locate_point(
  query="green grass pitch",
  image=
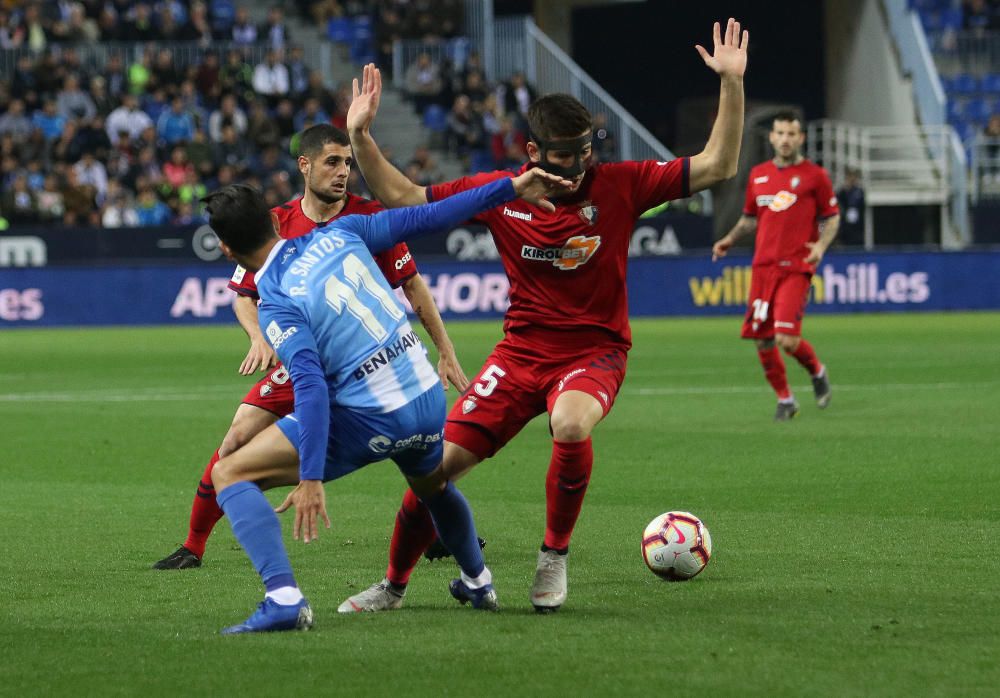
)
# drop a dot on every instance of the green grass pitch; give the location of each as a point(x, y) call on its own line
point(855, 549)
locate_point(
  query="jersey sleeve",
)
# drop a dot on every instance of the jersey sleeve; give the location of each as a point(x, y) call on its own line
point(657, 181)
point(436, 192)
point(396, 264)
point(826, 200)
point(243, 283)
point(286, 328)
point(750, 202)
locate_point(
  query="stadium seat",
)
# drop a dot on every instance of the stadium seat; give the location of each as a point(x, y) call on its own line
point(990, 84)
point(951, 19)
point(964, 84)
point(436, 122)
point(481, 161)
point(956, 110)
point(339, 29)
point(978, 111)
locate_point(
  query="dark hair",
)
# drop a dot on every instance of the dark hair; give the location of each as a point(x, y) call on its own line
point(240, 218)
point(558, 116)
point(787, 115)
point(314, 139)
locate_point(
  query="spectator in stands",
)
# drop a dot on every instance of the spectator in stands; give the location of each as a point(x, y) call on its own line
point(146, 168)
point(129, 118)
point(175, 125)
point(93, 137)
point(231, 149)
point(851, 198)
point(78, 201)
point(207, 78)
point(11, 33)
point(262, 130)
point(23, 82)
point(603, 144)
point(980, 17)
point(192, 102)
point(236, 76)
point(465, 130)
point(228, 114)
point(150, 210)
point(284, 118)
point(298, 73)
point(223, 13)
point(139, 25)
point(423, 82)
point(14, 120)
point(191, 190)
point(992, 135)
point(165, 71)
point(273, 31)
point(155, 103)
point(104, 103)
point(197, 27)
point(244, 31)
point(77, 27)
point(141, 72)
point(270, 78)
point(311, 112)
point(50, 200)
point(49, 120)
point(18, 203)
point(114, 74)
point(35, 36)
point(74, 103)
point(474, 86)
point(67, 148)
point(516, 95)
point(508, 145)
point(119, 210)
point(91, 172)
point(176, 169)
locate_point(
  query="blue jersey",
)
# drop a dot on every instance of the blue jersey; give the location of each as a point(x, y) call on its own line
point(332, 318)
point(327, 281)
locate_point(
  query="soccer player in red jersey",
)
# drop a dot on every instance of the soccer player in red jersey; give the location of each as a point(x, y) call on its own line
point(567, 334)
point(325, 162)
point(791, 204)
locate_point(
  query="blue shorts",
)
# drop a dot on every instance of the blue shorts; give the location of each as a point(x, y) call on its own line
point(411, 436)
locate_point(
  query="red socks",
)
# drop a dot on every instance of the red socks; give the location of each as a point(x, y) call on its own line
point(565, 486)
point(205, 512)
point(413, 533)
point(807, 357)
point(774, 371)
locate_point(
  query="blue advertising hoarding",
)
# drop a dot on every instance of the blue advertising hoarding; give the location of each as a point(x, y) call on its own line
point(658, 286)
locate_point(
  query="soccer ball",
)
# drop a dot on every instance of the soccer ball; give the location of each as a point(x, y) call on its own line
point(676, 545)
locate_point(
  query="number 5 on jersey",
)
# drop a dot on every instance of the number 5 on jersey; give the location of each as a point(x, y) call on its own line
point(488, 380)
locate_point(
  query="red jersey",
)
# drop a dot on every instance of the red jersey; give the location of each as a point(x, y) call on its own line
point(567, 268)
point(396, 263)
point(788, 202)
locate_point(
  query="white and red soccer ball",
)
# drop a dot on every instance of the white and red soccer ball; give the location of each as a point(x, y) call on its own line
point(676, 545)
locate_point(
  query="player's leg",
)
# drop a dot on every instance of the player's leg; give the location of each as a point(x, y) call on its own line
point(758, 325)
point(789, 308)
point(268, 460)
point(582, 397)
point(269, 399)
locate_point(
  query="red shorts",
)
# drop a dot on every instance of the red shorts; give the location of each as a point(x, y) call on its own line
point(517, 383)
point(273, 393)
point(778, 301)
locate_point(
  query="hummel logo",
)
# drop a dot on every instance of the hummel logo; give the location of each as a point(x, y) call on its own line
point(516, 214)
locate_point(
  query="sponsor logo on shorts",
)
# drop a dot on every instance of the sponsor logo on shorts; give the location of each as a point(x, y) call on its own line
point(784, 324)
point(575, 253)
point(380, 444)
point(276, 336)
point(468, 405)
point(568, 376)
point(383, 445)
point(266, 390)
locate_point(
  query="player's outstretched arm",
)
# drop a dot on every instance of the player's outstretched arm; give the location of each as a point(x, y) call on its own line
point(388, 185)
point(260, 355)
point(422, 302)
point(746, 225)
point(721, 155)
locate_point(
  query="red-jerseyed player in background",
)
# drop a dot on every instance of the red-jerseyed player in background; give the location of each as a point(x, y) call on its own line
point(791, 204)
point(566, 333)
point(325, 159)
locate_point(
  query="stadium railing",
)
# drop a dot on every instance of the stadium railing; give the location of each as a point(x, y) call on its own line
point(518, 46)
point(985, 169)
point(916, 61)
point(900, 166)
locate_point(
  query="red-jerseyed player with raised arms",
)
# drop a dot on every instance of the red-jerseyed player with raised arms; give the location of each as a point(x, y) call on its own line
point(566, 333)
point(791, 204)
point(325, 159)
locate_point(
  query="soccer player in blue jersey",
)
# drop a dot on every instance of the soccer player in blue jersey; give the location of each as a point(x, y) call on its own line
point(356, 363)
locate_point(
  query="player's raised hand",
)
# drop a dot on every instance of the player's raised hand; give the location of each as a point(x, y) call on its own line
point(309, 500)
point(535, 185)
point(729, 55)
point(365, 103)
point(721, 248)
point(260, 357)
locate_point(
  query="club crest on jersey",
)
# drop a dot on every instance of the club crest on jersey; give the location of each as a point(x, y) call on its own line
point(588, 212)
point(795, 182)
point(468, 405)
point(782, 201)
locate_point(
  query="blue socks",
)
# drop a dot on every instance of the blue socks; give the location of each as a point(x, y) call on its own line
point(453, 520)
point(258, 530)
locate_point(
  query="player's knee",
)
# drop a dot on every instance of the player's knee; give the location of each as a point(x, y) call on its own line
point(222, 474)
point(788, 343)
point(765, 344)
point(569, 427)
